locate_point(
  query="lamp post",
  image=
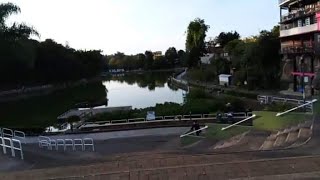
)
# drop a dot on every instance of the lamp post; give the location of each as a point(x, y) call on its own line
point(302, 69)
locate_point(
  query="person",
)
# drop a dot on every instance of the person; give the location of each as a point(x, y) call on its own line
point(195, 127)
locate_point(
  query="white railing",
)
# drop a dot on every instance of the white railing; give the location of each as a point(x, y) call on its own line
point(228, 127)
point(188, 134)
point(189, 117)
point(20, 135)
point(293, 109)
point(7, 132)
point(8, 143)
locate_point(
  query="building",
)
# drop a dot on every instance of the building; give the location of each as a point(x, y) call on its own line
point(214, 51)
point(157, 54)
point(300, 42)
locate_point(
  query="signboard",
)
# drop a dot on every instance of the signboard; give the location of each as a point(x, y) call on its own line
point(151, 116)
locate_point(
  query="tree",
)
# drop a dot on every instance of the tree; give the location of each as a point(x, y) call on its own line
point(17, 57)
point(182, 56)
point(149, 60)
point(224, 37)
point(195, 43)
point(171, 55)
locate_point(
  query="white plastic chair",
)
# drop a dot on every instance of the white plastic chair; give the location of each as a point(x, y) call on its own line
point(68, 142)
point(44, 142)
point(60, 142)
point(1, 135)
point(88, 142)
point(78, 142)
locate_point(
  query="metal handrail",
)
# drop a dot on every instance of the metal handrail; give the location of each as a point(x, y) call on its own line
point(184, 135)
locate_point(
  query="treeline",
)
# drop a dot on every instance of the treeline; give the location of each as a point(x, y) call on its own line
point(147, 61)
point(254, 62)
point(24, 61)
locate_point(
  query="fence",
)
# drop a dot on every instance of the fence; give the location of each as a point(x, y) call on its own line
point(164, 119)
point(11, 144)
point(271, 99)
point(9, 133)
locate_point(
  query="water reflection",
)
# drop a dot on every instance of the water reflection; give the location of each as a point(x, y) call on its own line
point(141, 90)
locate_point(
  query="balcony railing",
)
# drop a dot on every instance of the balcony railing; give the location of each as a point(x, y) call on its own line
point(307, 48)
point(300, 13)
point(290, 30)
point(282, 2)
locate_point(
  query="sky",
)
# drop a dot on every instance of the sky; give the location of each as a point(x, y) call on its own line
point(134, 26)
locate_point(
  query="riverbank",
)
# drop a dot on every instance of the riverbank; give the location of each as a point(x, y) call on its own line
point(27, 92)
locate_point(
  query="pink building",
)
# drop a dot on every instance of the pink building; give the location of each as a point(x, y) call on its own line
point(300, 42)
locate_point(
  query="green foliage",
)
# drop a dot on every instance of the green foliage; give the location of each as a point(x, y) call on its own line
point(25, 61)
point(278, 107)
point(171, 55)
point(224, 38)
point(207, 73)
point(257, 60)
point(195, 43)
point(221, 66)
point(214, 131)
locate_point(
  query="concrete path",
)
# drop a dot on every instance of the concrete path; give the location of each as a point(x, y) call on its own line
point(119, 134)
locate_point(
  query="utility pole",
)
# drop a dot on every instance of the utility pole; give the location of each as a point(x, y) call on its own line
point(302, 69)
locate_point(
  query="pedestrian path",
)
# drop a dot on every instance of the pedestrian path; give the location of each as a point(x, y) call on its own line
point(117, 134)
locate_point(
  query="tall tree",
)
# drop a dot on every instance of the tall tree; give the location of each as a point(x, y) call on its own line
point(171, 55)
point(149, 60)
point(195, 43)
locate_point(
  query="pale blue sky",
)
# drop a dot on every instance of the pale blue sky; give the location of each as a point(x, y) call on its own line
point(133, 26)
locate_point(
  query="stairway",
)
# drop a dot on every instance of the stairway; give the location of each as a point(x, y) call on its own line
point(181, 167)
point(289, 137)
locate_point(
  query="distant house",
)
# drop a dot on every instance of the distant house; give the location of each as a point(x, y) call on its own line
point(206, 58)
point(157, 54)
point(215, 51)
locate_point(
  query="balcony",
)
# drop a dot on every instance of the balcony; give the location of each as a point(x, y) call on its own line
point(296, 49)
point(301, 13)
point(298, 30)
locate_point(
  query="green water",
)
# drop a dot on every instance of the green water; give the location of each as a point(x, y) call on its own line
point(137, 90)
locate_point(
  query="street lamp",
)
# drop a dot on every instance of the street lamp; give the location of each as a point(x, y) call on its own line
point(302, 69)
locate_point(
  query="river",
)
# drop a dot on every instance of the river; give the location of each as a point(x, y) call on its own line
point(136, 90)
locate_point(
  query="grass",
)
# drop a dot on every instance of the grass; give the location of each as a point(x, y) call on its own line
point(268, 121)
point(214, 132)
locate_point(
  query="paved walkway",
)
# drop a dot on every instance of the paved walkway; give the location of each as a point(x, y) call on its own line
point(174, 170)
point(119, 134)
